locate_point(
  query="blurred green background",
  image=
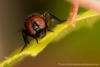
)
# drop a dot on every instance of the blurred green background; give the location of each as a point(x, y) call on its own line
point(79, 47)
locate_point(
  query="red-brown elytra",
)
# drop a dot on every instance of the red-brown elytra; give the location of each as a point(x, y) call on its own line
point(36, 25)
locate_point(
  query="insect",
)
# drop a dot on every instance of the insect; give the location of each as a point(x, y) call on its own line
point(36, 25)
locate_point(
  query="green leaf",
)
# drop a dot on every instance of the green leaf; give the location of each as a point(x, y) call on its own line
point(33, 49)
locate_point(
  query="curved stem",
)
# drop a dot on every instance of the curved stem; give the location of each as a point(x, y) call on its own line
point(89, 4)
point(73, 12)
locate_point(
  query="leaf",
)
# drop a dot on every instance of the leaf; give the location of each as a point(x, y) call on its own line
point(33, 49)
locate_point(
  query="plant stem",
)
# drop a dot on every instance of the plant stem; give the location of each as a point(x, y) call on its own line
point(73, 12)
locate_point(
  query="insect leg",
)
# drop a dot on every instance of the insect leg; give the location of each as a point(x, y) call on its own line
point(24, 34)
point(56, 18)
point(47, 28)
point(36, 40)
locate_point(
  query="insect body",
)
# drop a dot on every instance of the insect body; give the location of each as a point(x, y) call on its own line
point(36, 26)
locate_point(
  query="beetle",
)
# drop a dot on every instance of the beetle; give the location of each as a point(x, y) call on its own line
point(36, 25)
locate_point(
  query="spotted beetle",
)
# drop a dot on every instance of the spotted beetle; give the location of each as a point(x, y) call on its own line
point(36, 25)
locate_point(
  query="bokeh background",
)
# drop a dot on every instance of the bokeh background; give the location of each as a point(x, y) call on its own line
point(79, 47)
